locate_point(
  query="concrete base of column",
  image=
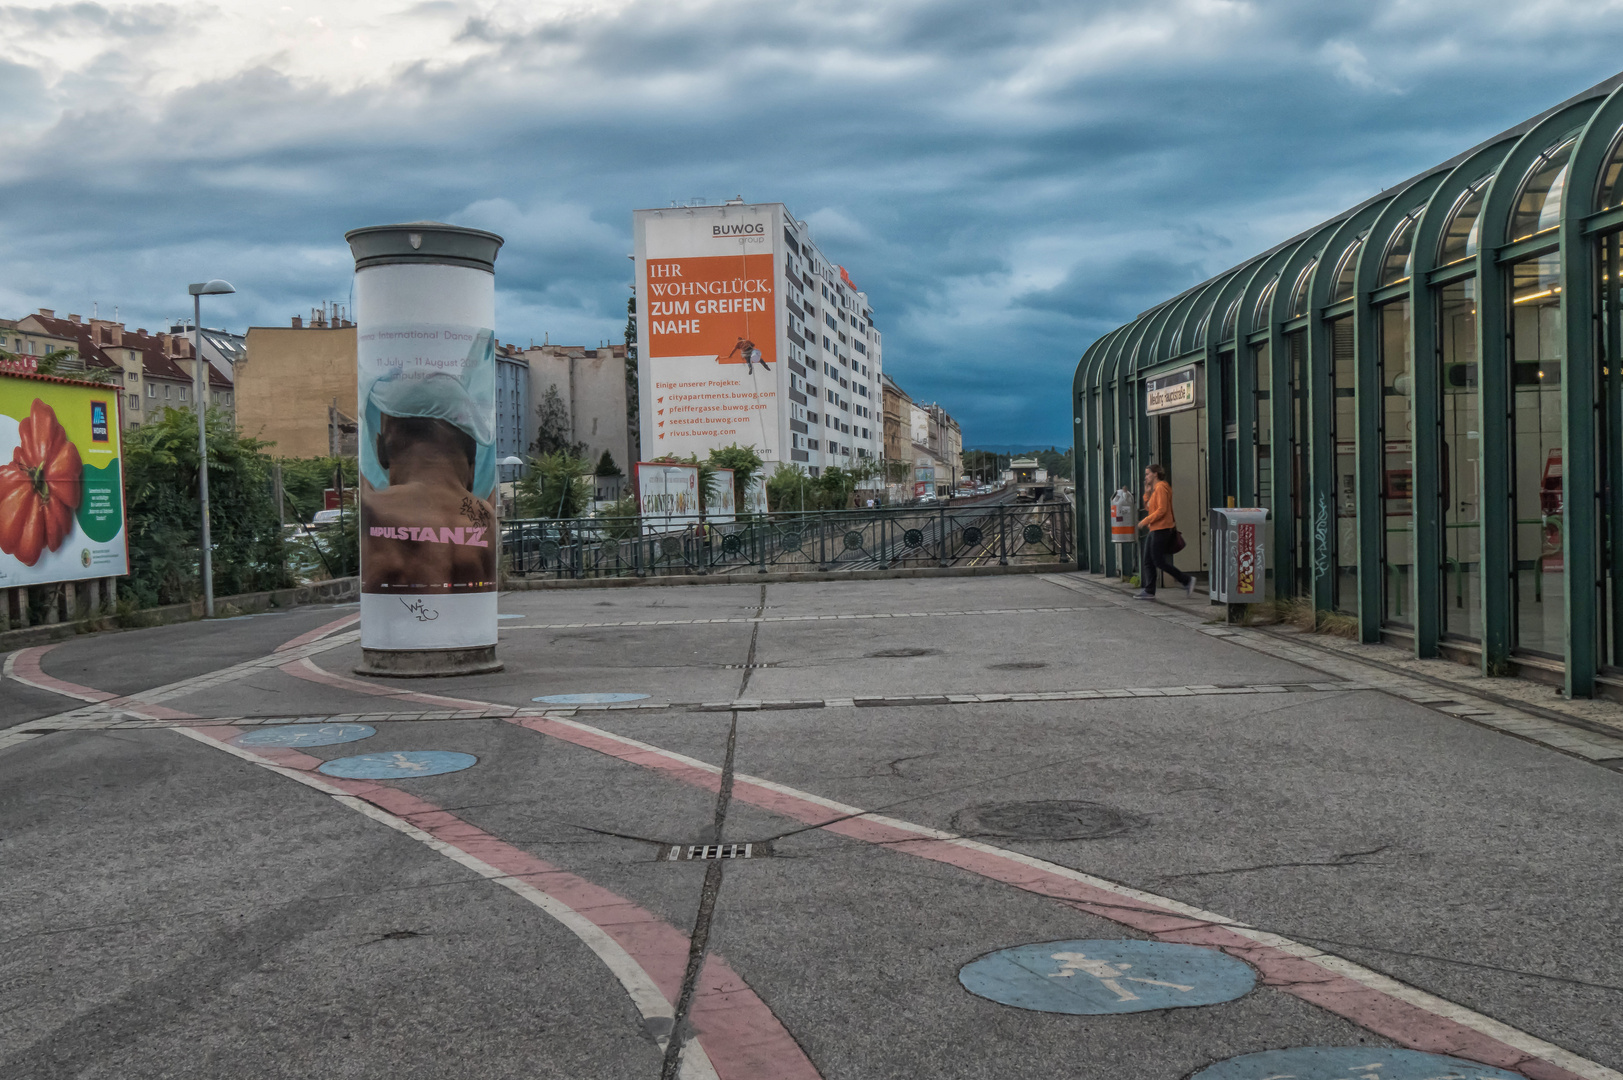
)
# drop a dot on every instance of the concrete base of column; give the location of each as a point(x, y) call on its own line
point(428, 663)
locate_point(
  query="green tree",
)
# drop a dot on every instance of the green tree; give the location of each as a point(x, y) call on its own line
point(552, 427)
point(745, 463)
point(162, 512)
point(606, 466)
point(835, 486)
point(633, 399)
point(789, 488)
point(558, 485)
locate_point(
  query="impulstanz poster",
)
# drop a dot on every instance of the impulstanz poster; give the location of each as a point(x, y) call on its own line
point(707, 306)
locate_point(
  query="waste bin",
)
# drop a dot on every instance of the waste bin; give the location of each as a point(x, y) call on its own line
point(1238, 554)
point(1123, 528)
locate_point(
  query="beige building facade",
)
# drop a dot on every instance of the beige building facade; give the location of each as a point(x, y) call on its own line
point(591, 383)
point(296, 387)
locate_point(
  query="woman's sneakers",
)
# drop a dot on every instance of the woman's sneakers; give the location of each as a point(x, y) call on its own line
point(1142, 595)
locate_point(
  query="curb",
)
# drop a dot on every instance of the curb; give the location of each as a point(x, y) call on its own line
point(336, 591)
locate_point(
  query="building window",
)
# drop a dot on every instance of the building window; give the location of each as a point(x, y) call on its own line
point(135, 402)
point(166, 390)
point(228, 397)
point(152, 389)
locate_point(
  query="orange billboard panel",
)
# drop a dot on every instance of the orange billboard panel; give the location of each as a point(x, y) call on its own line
point(713, 306)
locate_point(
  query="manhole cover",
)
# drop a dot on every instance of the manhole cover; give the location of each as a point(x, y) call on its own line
point(972, 535)
point(853, 540)
point(671, 546)
point(1033, 533)
point(888, 653)
point(791, 541)
point(306, 735)
point(913, 537)
point(1044, 819)
point(730, 544)
point(400, 765)
point(1094, 977)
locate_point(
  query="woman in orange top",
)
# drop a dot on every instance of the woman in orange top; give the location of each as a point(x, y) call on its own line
point(1162, 529)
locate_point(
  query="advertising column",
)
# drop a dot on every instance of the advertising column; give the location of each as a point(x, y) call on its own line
point(425, 304)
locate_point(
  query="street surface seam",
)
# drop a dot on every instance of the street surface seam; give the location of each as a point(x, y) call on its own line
point(1565, 738)
point(1406, 1014)
point(497, 712)
point(794, 618)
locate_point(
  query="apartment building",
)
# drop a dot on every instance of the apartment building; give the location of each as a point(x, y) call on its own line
point(750, 334)
point(156, 369)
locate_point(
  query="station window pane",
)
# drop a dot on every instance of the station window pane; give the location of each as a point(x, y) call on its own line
point(1344, 420)
point(1610, 192)
point(1265, 300)
point(1537, 358)
point(1397, 466)
point(1538, 203)
point(1398, 262)
point(1345, 271)
point(1460, 449)
point(1299, 291)
point(1229, 318)
point(1464, 228)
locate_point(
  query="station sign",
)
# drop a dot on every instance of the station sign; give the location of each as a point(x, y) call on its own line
point(1172, 392)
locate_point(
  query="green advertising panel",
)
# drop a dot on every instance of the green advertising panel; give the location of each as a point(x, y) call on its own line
point(61, 484)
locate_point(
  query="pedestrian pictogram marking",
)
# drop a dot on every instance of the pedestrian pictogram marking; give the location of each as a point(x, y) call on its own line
point(1349, 1063)
point(398, 765)
point(1108, 976)
point(307, 735)
point(587, 699)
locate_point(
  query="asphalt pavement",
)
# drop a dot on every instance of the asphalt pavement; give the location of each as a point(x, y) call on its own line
point(1002, 827)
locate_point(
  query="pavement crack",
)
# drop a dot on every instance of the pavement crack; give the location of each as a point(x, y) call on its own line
point(699, 943)
point(1346, 858)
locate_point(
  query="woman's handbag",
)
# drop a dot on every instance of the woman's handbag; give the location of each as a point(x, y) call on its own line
point(1178, 542)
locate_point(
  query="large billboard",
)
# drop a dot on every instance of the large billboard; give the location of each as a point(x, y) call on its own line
point(707, 305)
point(61, 484)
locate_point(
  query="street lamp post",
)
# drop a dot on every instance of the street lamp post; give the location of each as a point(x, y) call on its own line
point(200, 381)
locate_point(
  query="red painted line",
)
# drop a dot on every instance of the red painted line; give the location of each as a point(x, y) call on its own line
point(742, 1037)
point(308, 671)
point(319, 632)
point(1403, 1023)
point(26, 670)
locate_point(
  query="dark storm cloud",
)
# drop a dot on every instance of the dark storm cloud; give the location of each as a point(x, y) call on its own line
point(1006, 181)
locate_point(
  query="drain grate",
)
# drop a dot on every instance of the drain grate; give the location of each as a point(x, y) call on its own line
point(709, 852)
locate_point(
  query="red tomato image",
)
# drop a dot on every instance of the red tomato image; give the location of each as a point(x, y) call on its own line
point(40, 490)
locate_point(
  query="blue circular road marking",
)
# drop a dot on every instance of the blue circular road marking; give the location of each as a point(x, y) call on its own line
point(1349, 1063)
point(587, 699)
point(1086, 978)
point(398, 765)
point(307, 735)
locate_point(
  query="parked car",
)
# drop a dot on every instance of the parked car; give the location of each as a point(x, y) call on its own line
point(328, 518)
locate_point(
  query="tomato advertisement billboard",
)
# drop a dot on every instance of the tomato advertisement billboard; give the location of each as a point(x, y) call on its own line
point(61, 483)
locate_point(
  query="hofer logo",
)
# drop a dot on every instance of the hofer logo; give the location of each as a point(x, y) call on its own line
point(744, 229)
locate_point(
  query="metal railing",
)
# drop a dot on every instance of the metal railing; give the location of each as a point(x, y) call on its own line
point(942, 534)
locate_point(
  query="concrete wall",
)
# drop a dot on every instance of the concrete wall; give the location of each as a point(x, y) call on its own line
point(288, 380)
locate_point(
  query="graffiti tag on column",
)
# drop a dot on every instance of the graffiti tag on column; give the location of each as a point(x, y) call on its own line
point(1321, 538)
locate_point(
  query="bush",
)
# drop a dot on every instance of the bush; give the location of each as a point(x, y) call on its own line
point(162, 515)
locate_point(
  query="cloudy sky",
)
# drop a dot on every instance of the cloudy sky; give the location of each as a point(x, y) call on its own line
point(1006, 180)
